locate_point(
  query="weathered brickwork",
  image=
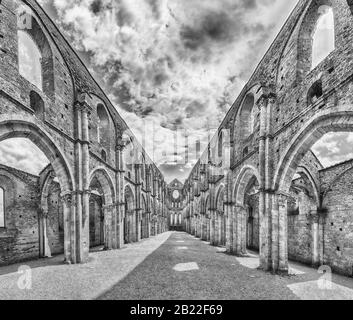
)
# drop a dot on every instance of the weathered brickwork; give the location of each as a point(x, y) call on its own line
point(89, 145)
point(338, 223)
point(266, 137)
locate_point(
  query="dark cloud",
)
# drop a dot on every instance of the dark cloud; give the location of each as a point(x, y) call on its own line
point(214, 27)
point(194, 109)
point(96, 6)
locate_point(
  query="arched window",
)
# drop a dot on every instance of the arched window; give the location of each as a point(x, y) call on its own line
point(29, 59)
point(247, 117)
point(37, 104)
point(323, 36)
point(315, 92)
point(2, 208)
point(104, 156)
point(220, 145)
point(103, 125)
point(35, 56)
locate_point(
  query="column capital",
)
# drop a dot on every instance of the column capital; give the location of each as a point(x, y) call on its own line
point(267, 96)
point(282, 198)
point(43, 213)
point(120, 145)
point(109, 206)
point(81, 103)
point(68, 198)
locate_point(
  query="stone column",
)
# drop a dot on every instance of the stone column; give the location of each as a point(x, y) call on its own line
point(266, 103)
point(229, 227)
point(69, 207)
point(228, 204)
point(86, 109)
point(220, 217)
point(314, 219)
point(213, 213)
point(138, 199)
point(44, 249)
point(120, 196)
point(279, 234)
point(148, 205)
point(240, 225)
point(108, 211)
point(208, 221)
point(81, 112)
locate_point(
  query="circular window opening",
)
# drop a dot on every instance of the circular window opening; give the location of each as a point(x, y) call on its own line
point(176, 194)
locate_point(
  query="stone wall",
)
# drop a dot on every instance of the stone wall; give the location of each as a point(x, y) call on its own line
point(338, 229)
point(55, 221)
point(19, 240)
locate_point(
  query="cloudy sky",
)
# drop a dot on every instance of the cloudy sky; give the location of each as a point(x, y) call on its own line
point(172, 68)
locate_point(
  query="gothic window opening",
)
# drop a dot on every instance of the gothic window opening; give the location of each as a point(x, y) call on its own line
point(35, 57)
point(247, 117)
point(103, 125)
point(30, 59)
point(37, 104)
point(323, 36)
point(104, 156)
point(315, 92)
point(220, 146)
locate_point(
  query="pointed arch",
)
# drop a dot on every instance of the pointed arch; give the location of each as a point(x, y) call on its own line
point(314, 41)
point(246, 175)
point(101, 180)
point(14, 127)
point(339, 119)
point(37, 64)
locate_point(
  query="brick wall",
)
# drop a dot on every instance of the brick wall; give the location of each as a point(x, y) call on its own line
point(19, 240)
point(338, 229)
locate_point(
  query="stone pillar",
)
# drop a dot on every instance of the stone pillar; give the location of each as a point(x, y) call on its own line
point(108, 213)
point(44, 248)
point(240, 225)
point(81, 112)
point(213, 213)
point(266, 103)
point(220, 229)
point(229, 226)
point(120, 196)
point(265, 207)
point(138, 200)
point(315, 243)
point(70, 247)
point(86, 109)
point(279, 234)
point(208, 227)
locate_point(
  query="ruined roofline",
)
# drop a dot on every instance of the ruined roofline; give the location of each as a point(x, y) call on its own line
point(3, 166)
point(336, 165)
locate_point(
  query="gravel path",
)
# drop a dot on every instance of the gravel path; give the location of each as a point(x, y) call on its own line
point(188, 269)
